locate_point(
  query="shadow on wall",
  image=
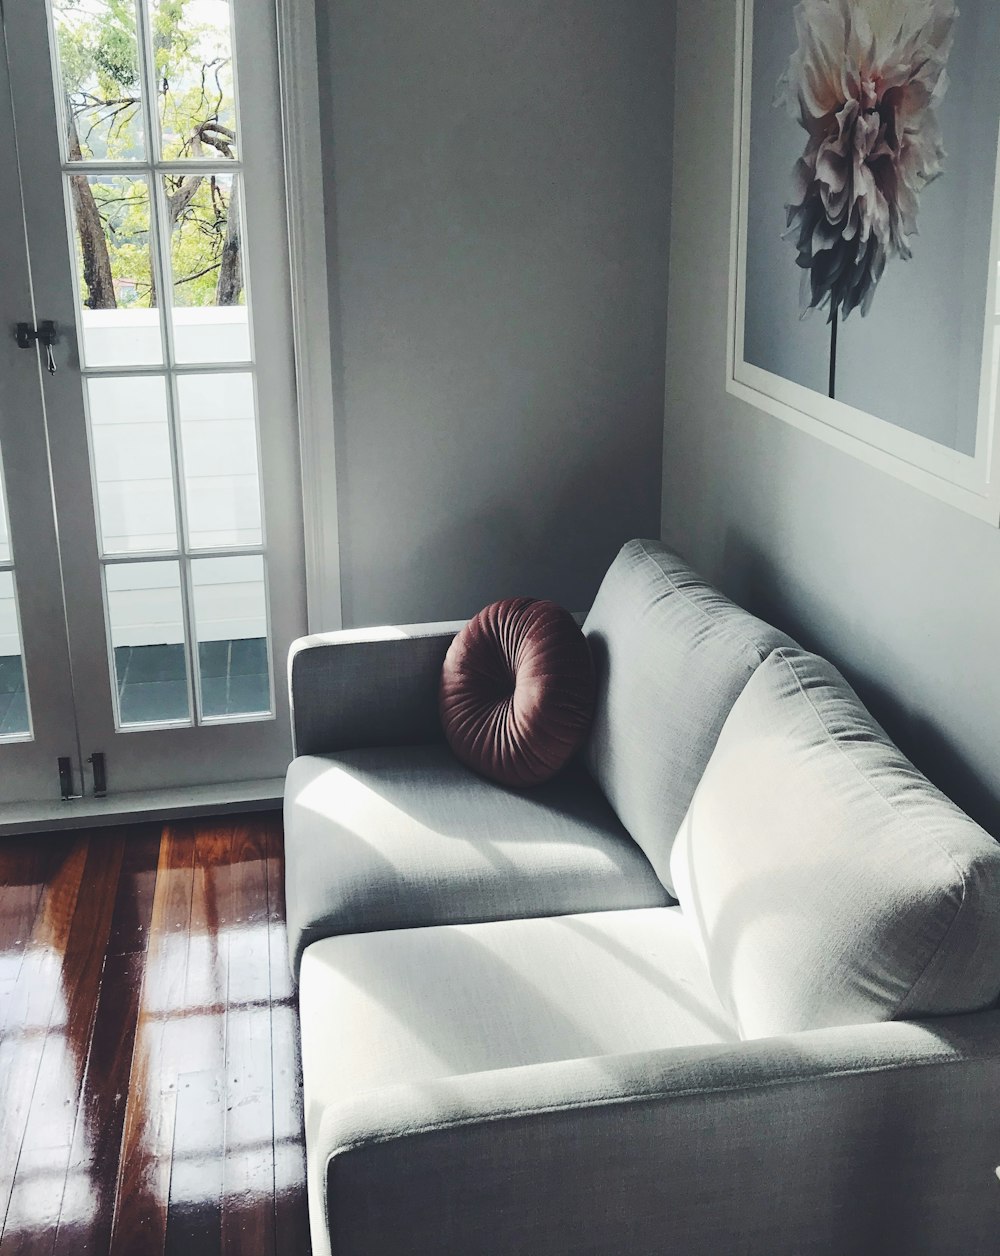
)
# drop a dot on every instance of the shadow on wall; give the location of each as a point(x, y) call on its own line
point(557, 544)
point(750, 579)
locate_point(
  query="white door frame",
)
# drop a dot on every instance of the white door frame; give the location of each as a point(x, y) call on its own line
point(28, 767)
point(307, 226)
point(151, 759)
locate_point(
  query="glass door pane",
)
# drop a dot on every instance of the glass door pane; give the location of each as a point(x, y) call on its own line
point(206, 253)
point(14, 722)
point(177, 446)
point(97, 77)
point(120, 320)
point(132, 463)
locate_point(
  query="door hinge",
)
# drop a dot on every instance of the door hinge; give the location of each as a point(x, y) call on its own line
point(66, 779)
point(46, 333)
point(100, 770)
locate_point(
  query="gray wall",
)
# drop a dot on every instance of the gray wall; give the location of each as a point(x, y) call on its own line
point(497, 182)
point(901, 591)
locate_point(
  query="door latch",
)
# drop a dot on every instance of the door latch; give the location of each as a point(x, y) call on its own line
point(46, 333)
point(65, 765)
point(100, 771)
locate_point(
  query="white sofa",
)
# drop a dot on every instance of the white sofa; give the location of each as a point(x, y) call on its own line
point(726, 986)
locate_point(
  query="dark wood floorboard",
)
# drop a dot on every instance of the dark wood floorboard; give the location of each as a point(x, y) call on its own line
point(150, 1080)
point(291, 1220)
point(89, 1199)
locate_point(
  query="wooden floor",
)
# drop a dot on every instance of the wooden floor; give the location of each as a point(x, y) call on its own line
point(150, 1085)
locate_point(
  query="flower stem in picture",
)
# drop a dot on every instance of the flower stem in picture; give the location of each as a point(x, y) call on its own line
point(864, 83)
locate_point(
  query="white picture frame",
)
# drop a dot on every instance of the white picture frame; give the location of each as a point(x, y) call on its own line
point(969, 482)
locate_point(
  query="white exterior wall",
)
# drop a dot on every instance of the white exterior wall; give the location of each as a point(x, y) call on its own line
point(228, 606)
point(10, 638)
point(130, 441)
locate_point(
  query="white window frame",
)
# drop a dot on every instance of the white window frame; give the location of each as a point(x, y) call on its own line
point(298, 69)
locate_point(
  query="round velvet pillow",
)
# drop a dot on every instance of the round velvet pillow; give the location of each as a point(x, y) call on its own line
point(517, 691)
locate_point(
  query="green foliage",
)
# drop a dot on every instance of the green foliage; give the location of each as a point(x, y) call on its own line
point(123, 204)
point(196, 243)
point(194, 76)
point(98, 58)
point(195, 106)
point(115, 49)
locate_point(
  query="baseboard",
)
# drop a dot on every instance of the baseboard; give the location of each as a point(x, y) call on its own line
point(149, 804)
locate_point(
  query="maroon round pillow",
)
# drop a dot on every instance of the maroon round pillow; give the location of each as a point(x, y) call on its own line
point(517, 691)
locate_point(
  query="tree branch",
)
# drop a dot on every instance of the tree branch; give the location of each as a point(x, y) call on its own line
point(197, 274)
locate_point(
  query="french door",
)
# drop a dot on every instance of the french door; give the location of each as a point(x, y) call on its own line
point(37, 717)
point(151, 573)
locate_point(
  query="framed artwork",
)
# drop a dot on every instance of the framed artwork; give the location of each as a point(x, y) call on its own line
point(866, 232)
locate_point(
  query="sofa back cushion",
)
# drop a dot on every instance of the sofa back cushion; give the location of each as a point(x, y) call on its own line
point(829, 882)
point(671, 656)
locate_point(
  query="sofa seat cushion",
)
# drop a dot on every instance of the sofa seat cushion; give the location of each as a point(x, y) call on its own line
point(671, 655)
point(398, 837)
point(410, 1005)
point(384, 1014)
point(831, 883)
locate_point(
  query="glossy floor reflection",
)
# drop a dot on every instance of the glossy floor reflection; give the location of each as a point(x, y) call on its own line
point(151, 1086)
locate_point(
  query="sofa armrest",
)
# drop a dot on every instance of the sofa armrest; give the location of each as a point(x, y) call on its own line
point(367, 686)
point(866, 1139)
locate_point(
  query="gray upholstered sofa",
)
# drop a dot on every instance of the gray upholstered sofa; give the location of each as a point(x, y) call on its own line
point(726, 986)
